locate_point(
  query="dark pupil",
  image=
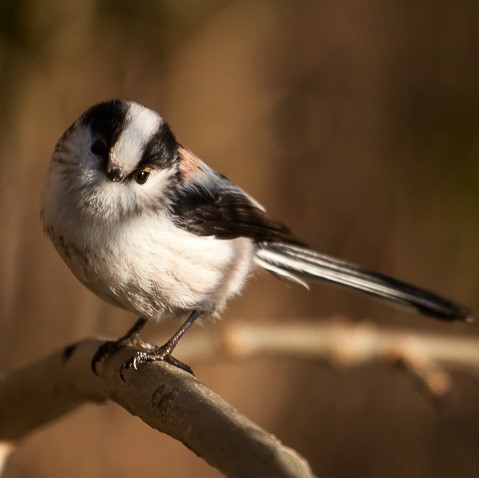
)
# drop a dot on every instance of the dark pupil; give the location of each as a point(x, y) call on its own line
point(98, 148)
point(142, 177)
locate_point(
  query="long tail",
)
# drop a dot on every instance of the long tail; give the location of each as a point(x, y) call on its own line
point(298, 263)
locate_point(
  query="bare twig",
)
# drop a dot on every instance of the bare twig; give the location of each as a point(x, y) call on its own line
point(426, 356)
point(166, 398)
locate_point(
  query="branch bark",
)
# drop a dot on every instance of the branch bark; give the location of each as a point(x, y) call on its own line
point(164, 397)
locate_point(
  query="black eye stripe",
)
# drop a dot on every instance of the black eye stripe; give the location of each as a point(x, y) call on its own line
point(161, 150)
point(107, 120)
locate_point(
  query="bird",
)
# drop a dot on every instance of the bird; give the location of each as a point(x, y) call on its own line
point(149, 227)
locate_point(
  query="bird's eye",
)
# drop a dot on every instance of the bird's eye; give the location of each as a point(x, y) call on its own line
point(99, 148)
point(142, 175)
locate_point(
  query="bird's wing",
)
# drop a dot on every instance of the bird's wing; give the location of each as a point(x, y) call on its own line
point(207, 203)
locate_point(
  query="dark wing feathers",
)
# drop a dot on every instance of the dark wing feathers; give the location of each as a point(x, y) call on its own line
point(226, 213)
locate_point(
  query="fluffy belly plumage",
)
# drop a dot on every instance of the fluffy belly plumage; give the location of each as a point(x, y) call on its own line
point(155, 272)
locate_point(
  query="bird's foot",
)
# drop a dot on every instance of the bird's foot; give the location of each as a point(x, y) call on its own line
point(162, 353)
point(112, 346)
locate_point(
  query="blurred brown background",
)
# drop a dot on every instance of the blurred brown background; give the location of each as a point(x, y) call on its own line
point(355, 122)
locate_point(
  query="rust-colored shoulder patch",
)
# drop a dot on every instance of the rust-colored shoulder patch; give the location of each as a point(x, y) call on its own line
point(188, 163)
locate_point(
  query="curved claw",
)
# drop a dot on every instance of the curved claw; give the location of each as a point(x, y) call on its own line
point(110, 347)
point(105, 349)
point(155, 355)
point(134, 361)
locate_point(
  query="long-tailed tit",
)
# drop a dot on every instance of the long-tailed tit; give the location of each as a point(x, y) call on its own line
point(149, 227)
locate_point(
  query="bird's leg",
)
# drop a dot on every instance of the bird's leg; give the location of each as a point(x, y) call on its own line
point(132, 337)
point(164, 352)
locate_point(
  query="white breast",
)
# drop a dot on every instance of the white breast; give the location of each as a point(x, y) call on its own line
point(149, 266)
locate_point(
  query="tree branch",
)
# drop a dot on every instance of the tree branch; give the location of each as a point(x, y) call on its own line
point(166, 398)
point(175, 403)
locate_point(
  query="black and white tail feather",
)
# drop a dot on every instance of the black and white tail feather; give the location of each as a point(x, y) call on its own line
point(298, 264)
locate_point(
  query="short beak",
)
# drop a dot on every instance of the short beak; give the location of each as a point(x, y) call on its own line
point(114, 175)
